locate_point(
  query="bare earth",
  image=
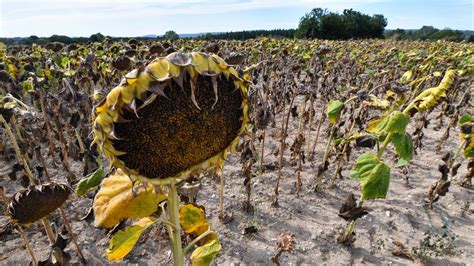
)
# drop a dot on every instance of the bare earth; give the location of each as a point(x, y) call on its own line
point(311, 217)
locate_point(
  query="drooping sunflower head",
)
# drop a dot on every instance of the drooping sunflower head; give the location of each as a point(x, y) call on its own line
point(179, 115)
point(32, 204)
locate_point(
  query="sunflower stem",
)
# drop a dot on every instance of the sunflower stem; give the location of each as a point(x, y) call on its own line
point(79, 140)
point(221, 196)
point(262, 151)
point(47, 125)
point(173, 212)
point(322, 167)
point(52, 239)
point(197, 239)
point(71, 235)
point(316, 138)
point(27, 244)
point(350, 228)
point(16, 147)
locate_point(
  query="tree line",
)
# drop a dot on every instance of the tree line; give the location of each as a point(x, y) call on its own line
point(430, 33)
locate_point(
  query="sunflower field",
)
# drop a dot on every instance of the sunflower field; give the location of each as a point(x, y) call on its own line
point(264, 151)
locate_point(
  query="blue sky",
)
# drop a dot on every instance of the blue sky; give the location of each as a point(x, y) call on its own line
point(137, 18)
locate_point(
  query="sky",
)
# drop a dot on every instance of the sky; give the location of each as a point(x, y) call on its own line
point(142, 17)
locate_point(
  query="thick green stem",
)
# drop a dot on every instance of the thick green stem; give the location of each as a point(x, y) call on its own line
point(173, 212)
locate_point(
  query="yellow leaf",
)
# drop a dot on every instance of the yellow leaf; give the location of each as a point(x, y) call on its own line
point(116, 201)
point(204, 254)
point(407, 76)
point(193, 219)
point(372, 124)
point(123, 241)
point(430, 97)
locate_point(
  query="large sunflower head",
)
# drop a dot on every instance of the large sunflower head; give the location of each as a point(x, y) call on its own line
point(180, 115)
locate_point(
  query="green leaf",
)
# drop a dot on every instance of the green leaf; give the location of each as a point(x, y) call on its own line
point(39, 72)
point(403, 145)
point(123, 241)
point(64, 62)
point(464, 119)
point(395, 122)
point(333, 110)
point(402, 162)
point(27, 85)
point(373, 175)
point(57, 60)
point(90, 182)
point(203, 255)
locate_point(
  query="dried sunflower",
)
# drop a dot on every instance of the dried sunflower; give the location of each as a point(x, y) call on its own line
point(32, 204)
point(180, 115)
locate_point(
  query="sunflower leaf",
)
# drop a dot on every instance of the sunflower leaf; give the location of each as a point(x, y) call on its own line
point(117, 201)
point(395, 122)
point(193, 219)
point(403, 145)
point(204, 254)
point(90, 182)
point(333, 110)
point(123, 241)
point(373, 175)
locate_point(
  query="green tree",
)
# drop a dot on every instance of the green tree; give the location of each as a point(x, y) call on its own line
point(171, 35)
point(60, 38)
point(309, 26)
point(98, 37)
point(320, 23)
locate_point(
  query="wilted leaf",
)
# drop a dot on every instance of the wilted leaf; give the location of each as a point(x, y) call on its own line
point(116, 201)
point(193, 219)
point(373, 174)
point(378, 103)
point(395, 122)
point(204, 254)
point(406, 76)
point(404, 146)
point(123, 241)
point(91, 182)
point(429, 97)
point(333, 110)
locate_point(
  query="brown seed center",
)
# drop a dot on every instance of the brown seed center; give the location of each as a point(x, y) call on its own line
point(172, 135)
